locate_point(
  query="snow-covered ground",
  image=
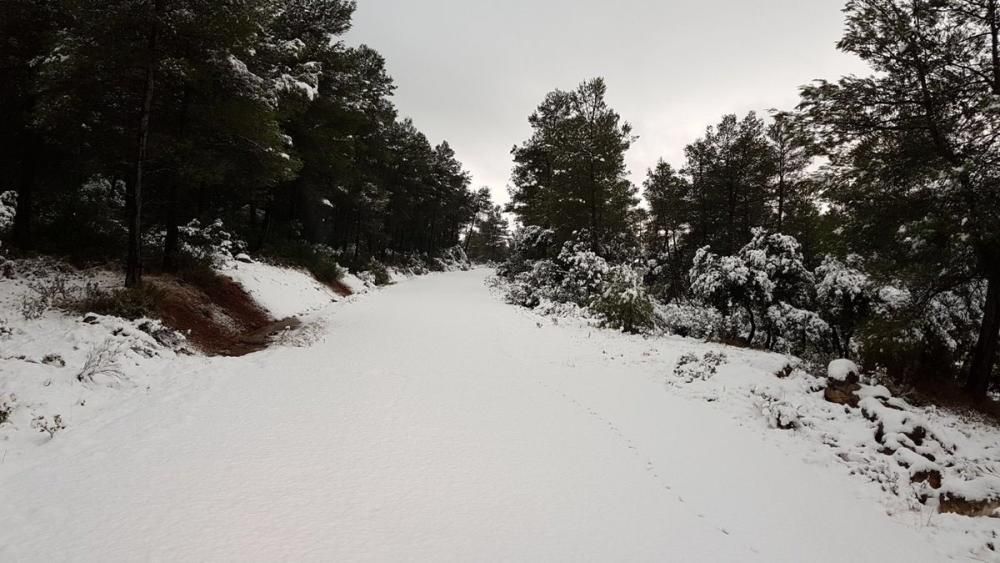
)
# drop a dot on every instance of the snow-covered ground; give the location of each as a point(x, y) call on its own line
point(431, 421)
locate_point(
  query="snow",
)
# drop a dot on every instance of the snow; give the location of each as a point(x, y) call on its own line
point(431, 421)
point(843, 370)
point(282, 292)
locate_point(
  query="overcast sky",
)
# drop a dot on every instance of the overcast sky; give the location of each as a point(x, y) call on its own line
point(471, 71)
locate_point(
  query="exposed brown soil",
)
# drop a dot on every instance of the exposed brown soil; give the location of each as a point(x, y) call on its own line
point(975, 508)
point(340, 289)
point(217, 316)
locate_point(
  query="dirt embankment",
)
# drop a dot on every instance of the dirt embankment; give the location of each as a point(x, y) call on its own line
point(217, 315)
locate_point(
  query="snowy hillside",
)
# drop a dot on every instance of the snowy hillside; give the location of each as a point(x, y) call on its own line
point(523, 438)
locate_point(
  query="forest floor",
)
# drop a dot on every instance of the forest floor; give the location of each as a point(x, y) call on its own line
point(432, 421)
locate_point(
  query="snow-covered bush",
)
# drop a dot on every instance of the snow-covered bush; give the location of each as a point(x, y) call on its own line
point(844, 296)
point(455, 258)
point(211, 242)
point(46, 294)
point(623, 303)
point(379, 273)
point(7, 402)
point(46, 426)
point(778, 413)
point(689, 319)
point(690, 367)
point(794, 330)
point(102, 361)
point(583, 274)
point(8, 208)
point(768, 271)
point(529, 244)
point(542, 281)
point(910, 335)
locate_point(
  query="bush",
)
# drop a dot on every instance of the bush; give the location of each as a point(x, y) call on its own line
point(380, 274)
point(52, 292)
point(198, 271)
point(768, 271)
point(213, 242)
point(8, 208)
point(690, 367)
point(102, 360)
point(583, 275)
point(530, 244)
point(318, 260)
point(127, 303)
point(689, 319)
point(623, 303)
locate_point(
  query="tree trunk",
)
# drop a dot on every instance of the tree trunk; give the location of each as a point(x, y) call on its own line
point(170, 246)
point(984, 354)
point(753, 326)
point(994, 44)
point(781, 201)
point(133, 265)
point(25, 212)
point(173, 232)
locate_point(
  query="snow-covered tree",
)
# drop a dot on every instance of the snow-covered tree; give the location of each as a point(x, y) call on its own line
point(769, 270)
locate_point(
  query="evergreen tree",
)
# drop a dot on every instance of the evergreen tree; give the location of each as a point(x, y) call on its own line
point(28, 30)
point(914, 150)
point(730, 170)
point(570, 175)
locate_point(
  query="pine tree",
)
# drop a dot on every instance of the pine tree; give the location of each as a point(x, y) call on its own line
point(28, 31)
point(914, 148)
point(730, 170)
point(571, 175)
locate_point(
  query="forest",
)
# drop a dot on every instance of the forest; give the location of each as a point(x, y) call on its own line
point(861, 223)
point(122, 122)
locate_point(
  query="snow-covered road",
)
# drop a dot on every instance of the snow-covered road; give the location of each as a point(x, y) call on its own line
point(435, 423)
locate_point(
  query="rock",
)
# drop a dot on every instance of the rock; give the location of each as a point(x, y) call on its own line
point(166, 337)
point(8, 269)
point(842, 393)
point(91, 319)
point(54, 360)
point(844, 371)
point(243, 257)
point(931, 476)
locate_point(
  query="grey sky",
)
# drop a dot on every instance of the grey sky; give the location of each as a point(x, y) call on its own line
point(471, 71)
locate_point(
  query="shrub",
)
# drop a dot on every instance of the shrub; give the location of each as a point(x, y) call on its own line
point(768, 271)
point(318, 260)
point(102, 360)
point(623, 303)
point(8, 208)
point(198, 270)
point(529, 244)
point(7, 406)
point(844, 296)
point(583, 274)
point(690, 367)
point(380, 274)
point(46, 294)
point(689, 319)
point(46, 426)
point(127, 303)
point(211, 242)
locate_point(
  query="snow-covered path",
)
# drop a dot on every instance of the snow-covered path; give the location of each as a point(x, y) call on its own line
point(436, 423)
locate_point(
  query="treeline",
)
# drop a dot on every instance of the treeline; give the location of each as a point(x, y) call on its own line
point(123, 120)
point(862, 223)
